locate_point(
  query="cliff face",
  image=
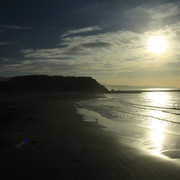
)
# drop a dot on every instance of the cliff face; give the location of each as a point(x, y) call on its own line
point(43, 83)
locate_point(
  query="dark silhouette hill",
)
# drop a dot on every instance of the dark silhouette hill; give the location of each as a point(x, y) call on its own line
point(4, 79)
point(44, 83)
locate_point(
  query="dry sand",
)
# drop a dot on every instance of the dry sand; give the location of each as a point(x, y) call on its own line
point(42, 137)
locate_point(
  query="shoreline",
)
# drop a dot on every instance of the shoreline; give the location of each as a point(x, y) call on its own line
point(149, 140)
point(60, 144)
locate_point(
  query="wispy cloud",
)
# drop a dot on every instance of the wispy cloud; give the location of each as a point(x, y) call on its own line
point(15, 27)
point(114, 54)
point(164, 10)
point(96, 45)
point(5, 43)
point(159, 11)
point(117, 49)
point(82, 30)
point(145, 17)
point(25, 51)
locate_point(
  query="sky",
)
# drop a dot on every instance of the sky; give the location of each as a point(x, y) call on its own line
point(104, 39)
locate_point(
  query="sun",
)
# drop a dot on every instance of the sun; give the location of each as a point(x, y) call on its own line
point(157, 44)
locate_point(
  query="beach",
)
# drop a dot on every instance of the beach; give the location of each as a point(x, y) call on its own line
point(43, 137)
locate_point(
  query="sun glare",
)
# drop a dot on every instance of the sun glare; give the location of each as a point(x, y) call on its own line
point(157, 44)
point(157, 99)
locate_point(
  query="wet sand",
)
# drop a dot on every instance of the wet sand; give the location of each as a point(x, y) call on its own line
point(43, 137)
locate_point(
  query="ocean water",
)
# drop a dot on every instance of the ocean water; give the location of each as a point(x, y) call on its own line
point(127, 113)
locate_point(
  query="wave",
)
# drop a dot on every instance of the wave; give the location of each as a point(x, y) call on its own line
point(136, 109)
point(162, 109)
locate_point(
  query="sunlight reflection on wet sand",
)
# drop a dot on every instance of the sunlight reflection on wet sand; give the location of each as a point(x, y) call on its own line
point(158, 127)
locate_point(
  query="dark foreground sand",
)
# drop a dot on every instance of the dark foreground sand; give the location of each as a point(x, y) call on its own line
point(42, 137)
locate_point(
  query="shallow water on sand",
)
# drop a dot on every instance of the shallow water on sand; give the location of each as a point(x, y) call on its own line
point(150, 119)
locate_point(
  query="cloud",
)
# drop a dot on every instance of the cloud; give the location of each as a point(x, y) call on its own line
point(5, 43)
point(117, 49)
point(157, 12)
point(173, 65)
point(104, 51)
point(150, 16)
point(7, 60)
point(82, 30)
point(25, 51)
point(164, 10)
point(51, 67)
point(114, 54)
point(96, 45)
point(15, 27)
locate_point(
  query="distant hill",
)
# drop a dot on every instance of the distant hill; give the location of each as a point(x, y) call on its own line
point(44, 83)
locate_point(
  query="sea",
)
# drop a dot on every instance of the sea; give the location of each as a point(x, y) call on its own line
point(133, 114)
